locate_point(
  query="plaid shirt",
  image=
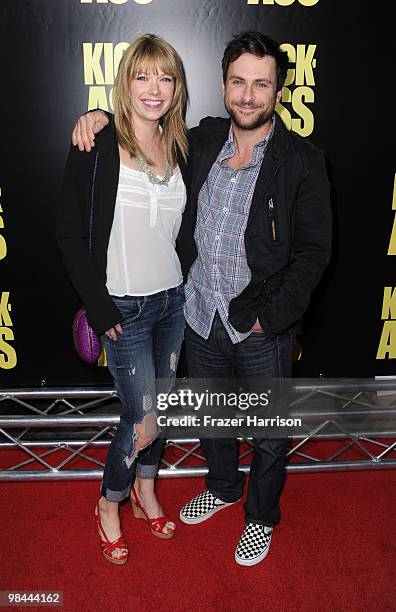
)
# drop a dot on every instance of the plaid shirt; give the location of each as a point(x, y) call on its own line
point(220, 271)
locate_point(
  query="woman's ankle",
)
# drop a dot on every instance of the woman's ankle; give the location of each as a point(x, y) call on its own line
point(144, 486)
point(107, 506)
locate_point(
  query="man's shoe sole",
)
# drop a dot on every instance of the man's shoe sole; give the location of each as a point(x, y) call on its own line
point(250, 562)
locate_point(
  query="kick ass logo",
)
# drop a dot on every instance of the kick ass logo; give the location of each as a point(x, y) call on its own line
point(283, 2)
point(387, 343)
point(114, 1)
point(8, 357)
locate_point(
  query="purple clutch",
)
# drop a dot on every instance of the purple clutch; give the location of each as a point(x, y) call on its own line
point(86, 342)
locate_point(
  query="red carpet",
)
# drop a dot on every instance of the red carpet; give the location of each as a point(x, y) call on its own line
point(333, 551)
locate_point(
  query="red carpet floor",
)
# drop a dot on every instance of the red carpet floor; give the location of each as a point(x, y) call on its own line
point(333, 551)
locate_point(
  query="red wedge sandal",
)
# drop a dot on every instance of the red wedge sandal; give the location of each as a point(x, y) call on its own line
point(157, 525)
point(109, 548)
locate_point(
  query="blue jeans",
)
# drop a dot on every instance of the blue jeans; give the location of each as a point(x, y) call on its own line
point(257, 355)
point(148, 349)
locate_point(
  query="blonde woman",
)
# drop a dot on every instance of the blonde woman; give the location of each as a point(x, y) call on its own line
point(126, 197)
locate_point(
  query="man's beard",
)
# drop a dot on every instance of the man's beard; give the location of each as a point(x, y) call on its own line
point(255, 123)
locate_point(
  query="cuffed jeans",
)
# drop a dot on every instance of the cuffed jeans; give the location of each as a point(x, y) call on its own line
point(257, 355)
point(149, 348)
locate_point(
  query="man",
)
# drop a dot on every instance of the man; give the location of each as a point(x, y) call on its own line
point(255, 240)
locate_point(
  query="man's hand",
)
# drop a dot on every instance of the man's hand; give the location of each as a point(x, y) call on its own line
point(257, 327)
point(86, 127)
point(112, 332)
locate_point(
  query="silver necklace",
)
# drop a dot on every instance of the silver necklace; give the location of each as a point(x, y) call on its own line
point(155, 180)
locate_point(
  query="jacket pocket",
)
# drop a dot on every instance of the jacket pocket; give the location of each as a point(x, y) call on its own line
point(272, 211)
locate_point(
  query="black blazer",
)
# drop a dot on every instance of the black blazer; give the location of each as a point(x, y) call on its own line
point(288, 234)
point(90, 184)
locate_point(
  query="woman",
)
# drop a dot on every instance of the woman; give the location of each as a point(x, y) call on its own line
point(126, 198)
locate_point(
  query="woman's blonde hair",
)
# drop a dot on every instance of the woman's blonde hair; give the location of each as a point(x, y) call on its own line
point(148, 54)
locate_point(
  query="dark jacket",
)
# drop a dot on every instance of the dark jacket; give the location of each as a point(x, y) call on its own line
point(288, 234)
point(90, 185)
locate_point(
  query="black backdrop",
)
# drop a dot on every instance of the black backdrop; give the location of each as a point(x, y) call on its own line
point(56, 55)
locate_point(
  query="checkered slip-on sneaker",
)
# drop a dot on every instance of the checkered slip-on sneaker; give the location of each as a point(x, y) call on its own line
point(254, 544)
point(201, 508)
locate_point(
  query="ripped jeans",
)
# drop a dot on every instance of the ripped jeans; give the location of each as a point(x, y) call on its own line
point(148, 349)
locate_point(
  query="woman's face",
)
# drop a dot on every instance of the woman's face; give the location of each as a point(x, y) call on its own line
point(151, 95)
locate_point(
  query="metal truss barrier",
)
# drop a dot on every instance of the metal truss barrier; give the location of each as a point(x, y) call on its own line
point(33, 421)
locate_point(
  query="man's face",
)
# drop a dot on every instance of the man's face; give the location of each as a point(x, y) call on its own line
point(250, 90)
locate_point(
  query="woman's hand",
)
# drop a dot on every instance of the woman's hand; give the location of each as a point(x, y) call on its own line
point(112, 332)
point(87, 126)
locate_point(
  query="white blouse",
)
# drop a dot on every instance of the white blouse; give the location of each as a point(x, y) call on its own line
point(141, 256)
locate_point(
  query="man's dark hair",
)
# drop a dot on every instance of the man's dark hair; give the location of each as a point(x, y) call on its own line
point(259, 45)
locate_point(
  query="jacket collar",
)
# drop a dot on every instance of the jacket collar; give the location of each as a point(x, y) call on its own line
point(211, 140)
point(280, 138)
